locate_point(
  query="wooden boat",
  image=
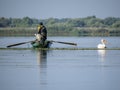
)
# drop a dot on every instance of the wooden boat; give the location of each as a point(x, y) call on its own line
point(37, 44)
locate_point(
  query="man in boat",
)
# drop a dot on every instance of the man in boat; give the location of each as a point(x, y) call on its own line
point(42, 33)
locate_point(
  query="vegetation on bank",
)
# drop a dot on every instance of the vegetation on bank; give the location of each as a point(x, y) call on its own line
point(88, 26)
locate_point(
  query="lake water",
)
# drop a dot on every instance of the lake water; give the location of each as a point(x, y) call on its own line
point(60, 69)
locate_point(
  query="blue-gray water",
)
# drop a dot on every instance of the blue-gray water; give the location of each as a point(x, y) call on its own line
point(60, 69)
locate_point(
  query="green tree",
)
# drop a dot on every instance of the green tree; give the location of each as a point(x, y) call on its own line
point(4, 22)
point(109, 21)
point(16, 22)
point(26, 21)
point(78, 22)
point(116, 24)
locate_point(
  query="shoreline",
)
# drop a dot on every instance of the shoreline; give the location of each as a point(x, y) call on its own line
point(88, 31)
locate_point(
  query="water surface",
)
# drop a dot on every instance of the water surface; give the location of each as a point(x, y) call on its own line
point(82, 42)
point(60, 69)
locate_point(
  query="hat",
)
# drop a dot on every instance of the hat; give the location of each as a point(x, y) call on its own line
point(41, 23)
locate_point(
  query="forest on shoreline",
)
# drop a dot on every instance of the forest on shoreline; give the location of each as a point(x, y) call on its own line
point(88, 26)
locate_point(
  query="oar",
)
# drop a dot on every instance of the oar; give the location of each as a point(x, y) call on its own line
point(18, 44)
point(69, 43)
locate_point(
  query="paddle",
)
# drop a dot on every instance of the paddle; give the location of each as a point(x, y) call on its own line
point(69, 43)
point(33, 41)
point(18, 44)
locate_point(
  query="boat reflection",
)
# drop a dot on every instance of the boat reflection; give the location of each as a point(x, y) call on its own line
point(42, 58)
point(42, 63)
point(102, 54)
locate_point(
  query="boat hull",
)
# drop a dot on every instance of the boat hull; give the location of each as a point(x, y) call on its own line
point(37, 44)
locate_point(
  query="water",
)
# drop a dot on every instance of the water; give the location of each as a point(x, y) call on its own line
point(60, 69)
point(82, 42)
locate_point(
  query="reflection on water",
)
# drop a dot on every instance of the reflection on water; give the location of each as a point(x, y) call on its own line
point(42, 62)
point(82, 42)
point(42, 58)
point(102, 54)
point(60, 69)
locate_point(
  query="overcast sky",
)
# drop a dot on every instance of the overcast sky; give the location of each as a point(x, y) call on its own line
point(42, 9)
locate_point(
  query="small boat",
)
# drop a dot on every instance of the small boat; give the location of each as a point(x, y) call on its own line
point(37, 44)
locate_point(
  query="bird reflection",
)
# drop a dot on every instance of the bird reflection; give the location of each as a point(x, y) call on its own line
point(102, 54)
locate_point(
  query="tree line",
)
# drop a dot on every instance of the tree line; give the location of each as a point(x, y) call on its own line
point(90, 21)
point(77, 26)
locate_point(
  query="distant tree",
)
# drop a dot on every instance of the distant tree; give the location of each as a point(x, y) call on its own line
point(109, 21)
point(78, 23)
point(116, 24)
point(93, 22)
point(27, 21)
point(34, 22)
point(52, 21)
point(4, 22)
point(16, 22)
point(61, 24)
point(90, 17)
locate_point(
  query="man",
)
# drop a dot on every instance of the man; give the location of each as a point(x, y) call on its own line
point(42, 33)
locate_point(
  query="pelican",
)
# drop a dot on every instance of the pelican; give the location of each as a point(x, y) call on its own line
point(103, 44)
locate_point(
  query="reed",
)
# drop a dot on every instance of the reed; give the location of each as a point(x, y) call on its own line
point(22, 31)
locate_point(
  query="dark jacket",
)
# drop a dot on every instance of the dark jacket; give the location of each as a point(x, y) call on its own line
point(43, 31)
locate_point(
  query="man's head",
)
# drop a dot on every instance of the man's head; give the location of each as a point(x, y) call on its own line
point(40, 23)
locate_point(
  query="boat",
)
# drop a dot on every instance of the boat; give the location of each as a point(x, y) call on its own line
point(37, 44)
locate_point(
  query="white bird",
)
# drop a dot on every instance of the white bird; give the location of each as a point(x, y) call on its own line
point(103, 44)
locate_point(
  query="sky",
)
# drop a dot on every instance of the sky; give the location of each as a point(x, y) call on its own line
point(44, 9)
